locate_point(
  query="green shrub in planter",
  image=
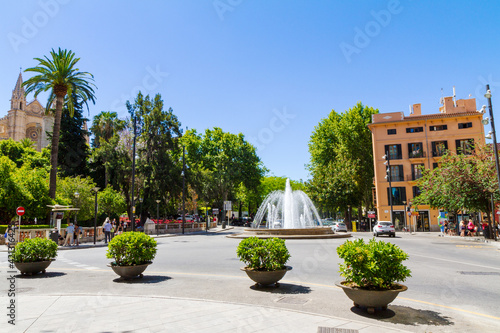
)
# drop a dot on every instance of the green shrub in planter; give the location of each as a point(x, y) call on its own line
point(264, 255)
point(131, 248)
point(373, 265)
point(35, 249)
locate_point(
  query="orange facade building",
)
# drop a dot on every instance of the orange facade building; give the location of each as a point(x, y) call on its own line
point(414, 141)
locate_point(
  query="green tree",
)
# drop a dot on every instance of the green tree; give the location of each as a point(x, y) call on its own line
point(159, 164)
point(60, 75)
point(461, 182)
point(111, 202)
point(74, 151)
point(21, 153)
point(341, 162)
point(220, 162)
point(106, 125)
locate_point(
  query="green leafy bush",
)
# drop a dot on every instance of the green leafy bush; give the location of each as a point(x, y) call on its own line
point(35, 249)
point(373, 265)
point(264, 255)
point(131, 248)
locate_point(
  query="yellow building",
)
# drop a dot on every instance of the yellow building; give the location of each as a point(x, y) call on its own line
point(411, 142)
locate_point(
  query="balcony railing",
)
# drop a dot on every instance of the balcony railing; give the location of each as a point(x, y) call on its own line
point(397, 178)
point(413, 177)
point(438, 153)
point(417, 154)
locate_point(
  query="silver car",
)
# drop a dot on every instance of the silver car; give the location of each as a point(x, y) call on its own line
point(339, 226)
point(384, 228)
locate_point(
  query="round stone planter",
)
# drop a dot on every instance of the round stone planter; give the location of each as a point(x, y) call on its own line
point(30, 268)
point(371, 299)
point(265, 278)
point(128, 272)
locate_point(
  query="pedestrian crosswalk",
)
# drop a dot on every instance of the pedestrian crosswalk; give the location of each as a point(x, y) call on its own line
point(75, 263)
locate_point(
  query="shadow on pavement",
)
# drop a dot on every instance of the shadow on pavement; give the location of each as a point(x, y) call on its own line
point(46, 275)
point(146, 279)
point(284, 288)
point(396, 314)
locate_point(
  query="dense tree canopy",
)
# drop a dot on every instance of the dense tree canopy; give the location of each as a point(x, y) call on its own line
point(341, 162)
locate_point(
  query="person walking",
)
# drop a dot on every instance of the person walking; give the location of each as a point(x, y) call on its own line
point(76, 235)
point(470, 227)
point(70, 230)
point(119, 228)
point(462, 229)
point(107, 231)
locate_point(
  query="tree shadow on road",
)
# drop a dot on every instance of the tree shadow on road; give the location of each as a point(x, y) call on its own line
point(405, 315)
point(283, 288)
point(146, 279)
point(46, 275)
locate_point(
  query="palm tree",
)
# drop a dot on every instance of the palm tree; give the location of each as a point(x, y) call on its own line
point(105, 125)
point(59, 75)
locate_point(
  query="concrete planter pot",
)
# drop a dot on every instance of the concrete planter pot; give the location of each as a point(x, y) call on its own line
point(128, 272)
point(371, 299)
point(30, 268)
point(265, 278)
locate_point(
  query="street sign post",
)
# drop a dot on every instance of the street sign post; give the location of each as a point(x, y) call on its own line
point(20, 212)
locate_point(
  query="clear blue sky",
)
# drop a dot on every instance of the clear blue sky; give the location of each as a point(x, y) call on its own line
point(269, 69)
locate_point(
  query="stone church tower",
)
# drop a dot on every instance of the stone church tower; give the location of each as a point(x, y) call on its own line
point(26, 120)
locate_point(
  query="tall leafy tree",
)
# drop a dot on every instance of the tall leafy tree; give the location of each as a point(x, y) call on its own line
point(461, 182)
point(106, 128)
point(158, 133)
point(74, 151)
point(59, 75)
point(221, 162)
point(341, 162)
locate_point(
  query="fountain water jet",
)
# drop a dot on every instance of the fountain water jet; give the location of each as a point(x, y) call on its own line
point(287, 210)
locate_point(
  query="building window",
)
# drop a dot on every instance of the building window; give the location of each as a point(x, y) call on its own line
point(398, 195)
point(414, 129)
point(415, 150)
point(394, 152)
point(465, 146)
point(464, 125)
point(416, 171)
point(416, 191)
point(391, 131)
point(397, 174)
point(439, 148)
point(435, 165)
point(438, 128)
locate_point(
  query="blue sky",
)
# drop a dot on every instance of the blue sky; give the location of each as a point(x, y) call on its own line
point(268, 69)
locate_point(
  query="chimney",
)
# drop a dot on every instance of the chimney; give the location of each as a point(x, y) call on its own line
point(417, 111)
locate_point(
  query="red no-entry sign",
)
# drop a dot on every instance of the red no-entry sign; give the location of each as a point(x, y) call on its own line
point(20, 211)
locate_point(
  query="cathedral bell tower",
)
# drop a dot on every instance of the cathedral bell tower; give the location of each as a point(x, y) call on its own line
point(18, 100)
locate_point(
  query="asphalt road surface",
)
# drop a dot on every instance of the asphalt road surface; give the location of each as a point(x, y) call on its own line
point(455, 284)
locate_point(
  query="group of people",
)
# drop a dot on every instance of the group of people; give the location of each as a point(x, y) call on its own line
point(466, 229)
point(112, 228)
point(73, 232)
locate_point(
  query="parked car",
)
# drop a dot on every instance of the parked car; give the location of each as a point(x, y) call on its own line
point(189, 218)
point(384, 228)
point(339, 227)
point(328, 221)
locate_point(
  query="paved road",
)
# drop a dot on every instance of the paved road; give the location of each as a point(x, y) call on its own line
point(454, 284)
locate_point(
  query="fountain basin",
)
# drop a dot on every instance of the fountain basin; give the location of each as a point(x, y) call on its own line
point(291, 233)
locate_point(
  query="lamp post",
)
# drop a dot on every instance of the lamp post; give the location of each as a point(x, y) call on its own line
point(349, 216)
point(495, 149)
point(183, 174)
point(157, 217)
point(77, 195)
point(95, 189)
point(387, 162)
point(404, 212)
point(132, 216)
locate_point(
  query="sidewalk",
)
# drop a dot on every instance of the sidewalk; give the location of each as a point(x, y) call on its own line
point(63, 313)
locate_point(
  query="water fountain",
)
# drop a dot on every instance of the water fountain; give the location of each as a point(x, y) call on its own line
point(287, 210)
point(288, 214)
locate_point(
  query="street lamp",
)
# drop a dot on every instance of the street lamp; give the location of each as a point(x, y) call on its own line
point(132, 216)
point(495, 149)
point(157, 217)
point(387, 162)
point(404, 212)
point(183, 174)
point(349, 216)
point(77, 195)
point(95, 189)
